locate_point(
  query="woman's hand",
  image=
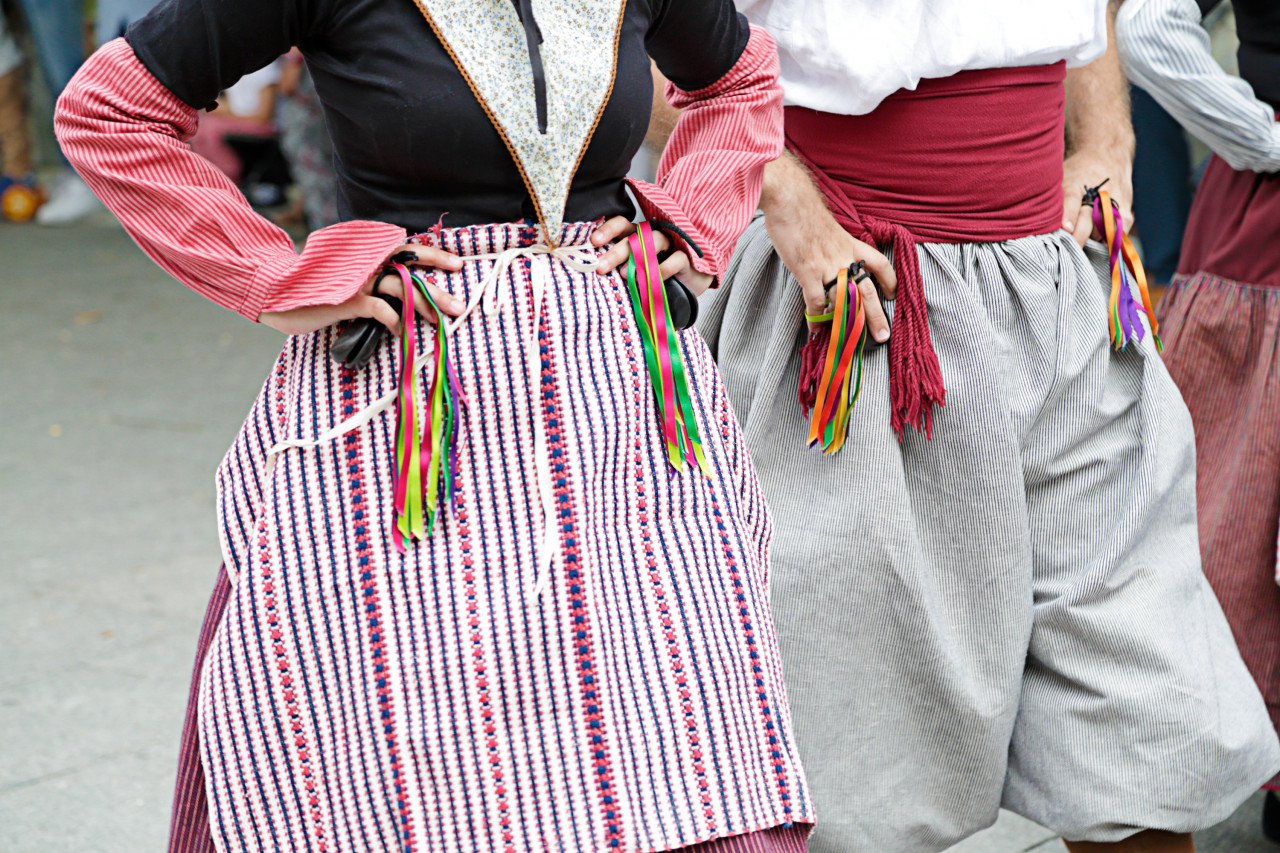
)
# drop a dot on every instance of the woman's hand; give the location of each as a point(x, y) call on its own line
point(676, 265)
point(299, 321)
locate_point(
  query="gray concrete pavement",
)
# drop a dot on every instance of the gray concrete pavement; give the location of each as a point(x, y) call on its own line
point(119, 392)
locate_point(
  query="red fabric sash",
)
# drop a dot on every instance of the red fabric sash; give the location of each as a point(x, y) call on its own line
point(975, 157)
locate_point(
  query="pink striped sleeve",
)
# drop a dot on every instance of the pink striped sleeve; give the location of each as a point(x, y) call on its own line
point(126, 134)
point(711, 173)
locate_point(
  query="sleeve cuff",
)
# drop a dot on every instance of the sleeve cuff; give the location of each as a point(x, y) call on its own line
point(333, 266)
point(658, 205)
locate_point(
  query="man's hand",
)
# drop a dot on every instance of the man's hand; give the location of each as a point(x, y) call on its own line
point(1099, 138)
point(1088, 169)
point(814, 246)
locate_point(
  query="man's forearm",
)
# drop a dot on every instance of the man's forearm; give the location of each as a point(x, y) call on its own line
point(1098, 104)
point(789, 191)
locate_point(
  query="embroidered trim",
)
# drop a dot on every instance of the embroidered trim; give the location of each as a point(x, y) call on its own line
point(487, 34)
point(613, 79)
point(524, 176)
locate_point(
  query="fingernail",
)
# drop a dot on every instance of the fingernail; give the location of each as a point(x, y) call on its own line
point(882, 335)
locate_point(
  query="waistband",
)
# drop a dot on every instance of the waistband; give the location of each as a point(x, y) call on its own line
point(499, 246)
point(471, 241)
point(974, 157)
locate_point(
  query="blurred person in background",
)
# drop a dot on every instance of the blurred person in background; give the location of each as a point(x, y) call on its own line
point(1162, 186)
point(544, 624)
point(57, 31)
point(1221, 317)
point(246, 108)
point(57, 35)
point(19, 194)
point(996, 602)
point(306, 145)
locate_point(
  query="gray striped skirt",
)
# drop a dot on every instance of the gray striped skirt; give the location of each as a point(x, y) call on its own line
point(1013, 613)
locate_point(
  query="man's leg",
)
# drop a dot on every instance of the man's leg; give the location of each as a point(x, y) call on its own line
point(901, 571)
point(1136, 711)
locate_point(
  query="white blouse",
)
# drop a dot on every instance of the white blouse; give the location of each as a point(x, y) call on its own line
point(846, 56)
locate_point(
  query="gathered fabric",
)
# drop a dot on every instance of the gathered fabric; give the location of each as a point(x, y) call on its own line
point(1061, 473)
point(939, 163)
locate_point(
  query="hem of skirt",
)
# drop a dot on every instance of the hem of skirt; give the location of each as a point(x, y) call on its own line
point(806, 827)
point(1222, 808)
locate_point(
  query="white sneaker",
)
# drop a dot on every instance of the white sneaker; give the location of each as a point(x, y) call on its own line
point(70, 201)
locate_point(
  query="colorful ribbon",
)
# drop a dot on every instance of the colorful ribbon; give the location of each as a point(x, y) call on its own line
point(426, 468)
point(662, 353)
point(840, 382)
point(1123, 319)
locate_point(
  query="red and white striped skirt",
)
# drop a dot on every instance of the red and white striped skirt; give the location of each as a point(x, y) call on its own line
point(354, 698)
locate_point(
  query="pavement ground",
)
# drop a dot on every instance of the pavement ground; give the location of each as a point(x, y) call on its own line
point(119, 392)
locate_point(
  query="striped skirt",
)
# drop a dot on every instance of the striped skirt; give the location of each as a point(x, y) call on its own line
point(354, 698)
point(1221, 320)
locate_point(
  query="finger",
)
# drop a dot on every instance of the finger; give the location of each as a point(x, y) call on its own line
point(611, 230)
point(381, 282)
point(674, 265)
point(879, 266)
point(877, 322)
point(815, 301)
point(430, 256)
point(611, 259)
point(1083, 226)
point(698, 282)
point(371, 306)
point(448, 303)
point(1070, 207)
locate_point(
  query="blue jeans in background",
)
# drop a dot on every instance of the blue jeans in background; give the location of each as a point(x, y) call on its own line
point(115, 16)
point(56, 30)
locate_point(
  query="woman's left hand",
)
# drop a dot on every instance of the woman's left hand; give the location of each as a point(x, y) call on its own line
point(676, 265)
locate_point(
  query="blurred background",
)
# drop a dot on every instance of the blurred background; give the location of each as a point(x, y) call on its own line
point(120, 391)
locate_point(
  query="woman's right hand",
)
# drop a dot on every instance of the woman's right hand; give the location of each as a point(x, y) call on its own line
point(300, 321)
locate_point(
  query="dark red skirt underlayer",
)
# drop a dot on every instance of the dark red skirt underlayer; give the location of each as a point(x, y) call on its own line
point(1220, 323)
